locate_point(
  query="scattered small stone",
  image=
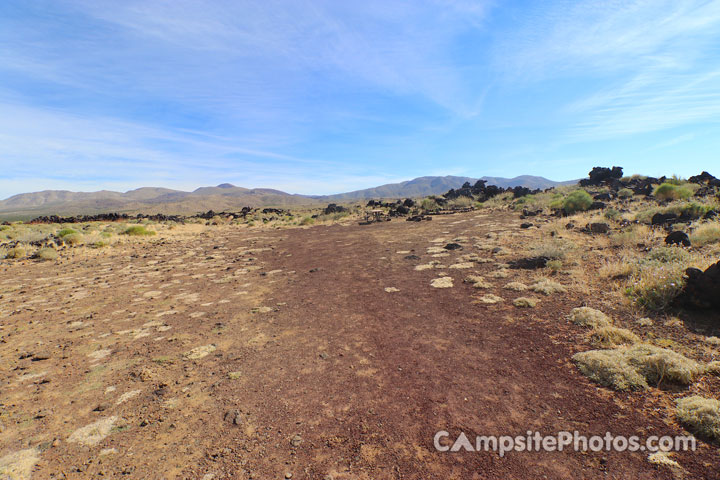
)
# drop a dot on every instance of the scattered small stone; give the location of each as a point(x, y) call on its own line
point(233, 417)
point(295, 442)
point(391, 289)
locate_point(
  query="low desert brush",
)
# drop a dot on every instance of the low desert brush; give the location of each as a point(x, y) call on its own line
point(700, 415)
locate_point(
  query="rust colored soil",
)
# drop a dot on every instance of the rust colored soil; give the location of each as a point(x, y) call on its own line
point(259, 354)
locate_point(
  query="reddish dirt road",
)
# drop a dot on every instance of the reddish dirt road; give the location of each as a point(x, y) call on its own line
point(311, 368)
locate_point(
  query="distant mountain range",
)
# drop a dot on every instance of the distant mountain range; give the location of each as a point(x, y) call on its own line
point(227, 197)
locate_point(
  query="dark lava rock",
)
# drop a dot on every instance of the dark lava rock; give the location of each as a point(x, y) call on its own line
point(569, 226)
point(453, 246)
point(702, 289)
point(663, 218)
point(598, 228)
point(678, 238)
point(710, 214)
point(529, 263)
point(597, 206)
point(526, 225)
point(412, 257)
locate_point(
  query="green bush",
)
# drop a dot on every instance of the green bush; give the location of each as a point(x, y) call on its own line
point(66, 231)
point(577, 201)
point(668, 191)
point(138, 230)
point(307, 221)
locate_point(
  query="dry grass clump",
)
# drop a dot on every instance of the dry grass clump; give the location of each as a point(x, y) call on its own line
point(713, 341)
point(589, 317)
point(15, 252)
point(706, 234)
point(636, 367)
point(658, 278)
point(610, 369)
point(645, 322)
point(713, 368)
point(700, 415)
point(502, 273)
point(525, 302)
point(477, 281)
point(138, 230)
point(659, 365)
point(73, 239)
point(46, 254)
point(516, 286)
point(547, 287)
point(554, 249)
point(490, 299)
point(612, 337)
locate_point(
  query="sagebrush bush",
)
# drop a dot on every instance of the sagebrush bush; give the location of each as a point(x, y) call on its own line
point(138, 230)
point(577, 201)
point(668, 191)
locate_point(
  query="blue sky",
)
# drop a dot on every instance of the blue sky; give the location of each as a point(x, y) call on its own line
point(328, 96)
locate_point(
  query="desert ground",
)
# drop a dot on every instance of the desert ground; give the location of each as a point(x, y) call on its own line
point(332, 351)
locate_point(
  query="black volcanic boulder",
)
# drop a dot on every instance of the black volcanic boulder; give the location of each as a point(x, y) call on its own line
point(705, 178)
point(663, 218)
point(678, 238)
point(597, 206)
point(526, 225)
point(529, 263)
point(600, 175)
point(453, 246)
point(702, 289)
point(409, 202)
point(333, 208)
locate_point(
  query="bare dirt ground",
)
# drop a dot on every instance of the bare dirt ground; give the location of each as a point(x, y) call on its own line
point(316, 353)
